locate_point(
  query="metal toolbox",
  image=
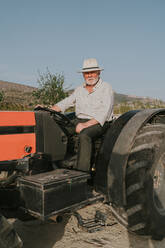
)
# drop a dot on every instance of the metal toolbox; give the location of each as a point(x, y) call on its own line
point(50, 193)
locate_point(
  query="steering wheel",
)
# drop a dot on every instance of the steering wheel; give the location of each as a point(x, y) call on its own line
point(60, 118)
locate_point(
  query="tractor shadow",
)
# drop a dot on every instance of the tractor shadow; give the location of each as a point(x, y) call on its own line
point(40, 234)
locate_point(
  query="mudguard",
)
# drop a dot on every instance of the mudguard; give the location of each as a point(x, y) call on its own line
point(106, 150)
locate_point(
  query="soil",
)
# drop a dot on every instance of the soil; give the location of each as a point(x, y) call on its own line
point(37, 234)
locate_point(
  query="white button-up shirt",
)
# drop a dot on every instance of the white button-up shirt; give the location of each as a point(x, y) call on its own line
point(96, 105)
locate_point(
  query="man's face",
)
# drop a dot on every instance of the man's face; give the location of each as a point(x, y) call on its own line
point(91, 77)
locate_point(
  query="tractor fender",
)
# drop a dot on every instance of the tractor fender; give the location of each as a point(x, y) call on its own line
point(116, 170)
point(110, 137)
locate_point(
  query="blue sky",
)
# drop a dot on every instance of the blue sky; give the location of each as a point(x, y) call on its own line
point(126, 36)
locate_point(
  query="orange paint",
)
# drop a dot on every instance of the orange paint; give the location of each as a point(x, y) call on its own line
point(13, 146)
point(15, 118)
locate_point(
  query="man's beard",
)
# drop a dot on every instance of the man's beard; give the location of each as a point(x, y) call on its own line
point(92, 81)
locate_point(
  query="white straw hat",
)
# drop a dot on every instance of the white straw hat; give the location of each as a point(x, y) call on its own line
point(90, 65)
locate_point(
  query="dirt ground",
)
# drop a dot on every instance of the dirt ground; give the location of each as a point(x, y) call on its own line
point(36, 234)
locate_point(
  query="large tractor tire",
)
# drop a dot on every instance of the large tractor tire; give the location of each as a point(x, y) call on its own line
point(145, 182)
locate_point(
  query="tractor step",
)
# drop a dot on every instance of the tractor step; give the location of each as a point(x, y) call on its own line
point(94, 224)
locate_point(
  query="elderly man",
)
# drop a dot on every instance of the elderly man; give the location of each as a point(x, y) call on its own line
point(93, 103)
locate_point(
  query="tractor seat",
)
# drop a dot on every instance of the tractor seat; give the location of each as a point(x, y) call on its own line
point(70, 160)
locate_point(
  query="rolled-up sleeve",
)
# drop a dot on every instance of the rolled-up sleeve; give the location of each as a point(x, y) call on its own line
point(104, 111)
point(67, 102)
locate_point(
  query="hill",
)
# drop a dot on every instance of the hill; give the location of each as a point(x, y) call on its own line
point(16, 94)
point(120, 98)
point(8, 86)
point(124, 103)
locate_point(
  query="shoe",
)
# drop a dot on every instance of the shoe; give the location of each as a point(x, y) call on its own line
point(70, 162)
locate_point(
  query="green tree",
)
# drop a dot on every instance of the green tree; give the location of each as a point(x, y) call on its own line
point(1, 96)
point(51, 88)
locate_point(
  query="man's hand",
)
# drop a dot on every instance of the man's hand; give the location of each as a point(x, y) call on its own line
point(81, 126)
point(38, 106)
point(56, 108)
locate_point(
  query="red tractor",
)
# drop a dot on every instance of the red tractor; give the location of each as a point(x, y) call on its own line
point(127, 170)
